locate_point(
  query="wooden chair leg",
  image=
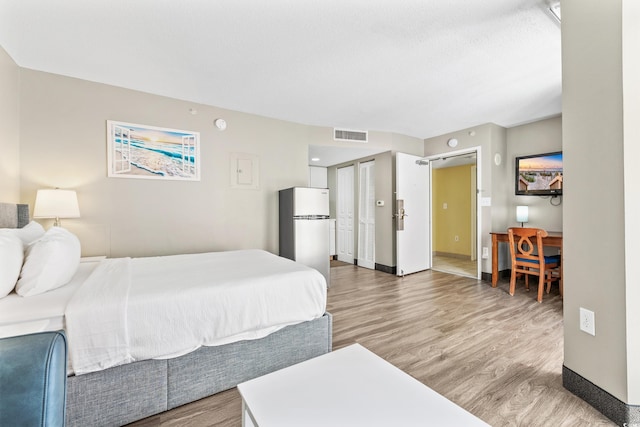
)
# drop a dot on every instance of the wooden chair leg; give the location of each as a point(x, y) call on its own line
point(512, 283)
point(541, 280)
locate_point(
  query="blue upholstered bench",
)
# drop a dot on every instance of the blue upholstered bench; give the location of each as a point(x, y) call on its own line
point(33, 379)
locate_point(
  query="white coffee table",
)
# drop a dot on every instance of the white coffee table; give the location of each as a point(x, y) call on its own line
point(347, 387)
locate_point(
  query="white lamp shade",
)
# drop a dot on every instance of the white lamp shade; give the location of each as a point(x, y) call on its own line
point(522, 213)
point(56, 204)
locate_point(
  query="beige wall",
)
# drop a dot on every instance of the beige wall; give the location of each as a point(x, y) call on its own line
point(631, 108)
point(63, 143)
point(544, 136)
point(10, 129)
point(497, 180)
point(600, 143)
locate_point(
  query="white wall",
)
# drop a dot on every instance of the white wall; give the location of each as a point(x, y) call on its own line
point(318, 177)
point(9, 129)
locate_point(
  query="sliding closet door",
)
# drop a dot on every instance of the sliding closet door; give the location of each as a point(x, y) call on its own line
point(366, 216)
point(345, 215)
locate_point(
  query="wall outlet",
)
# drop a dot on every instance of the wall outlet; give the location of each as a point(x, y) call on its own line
point(456, 238)
point(588, 321)
point(485, 252)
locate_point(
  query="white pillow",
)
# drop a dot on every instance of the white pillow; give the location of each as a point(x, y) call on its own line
point(50, 262)
point(11, 256)
point(29, 233)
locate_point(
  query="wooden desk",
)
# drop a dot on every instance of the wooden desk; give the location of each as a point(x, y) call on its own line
point(554, 239)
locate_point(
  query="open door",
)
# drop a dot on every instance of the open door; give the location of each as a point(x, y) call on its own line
point(412, 214)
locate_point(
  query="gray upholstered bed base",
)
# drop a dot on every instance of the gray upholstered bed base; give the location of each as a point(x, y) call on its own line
point(127, 393)
point(13, 215)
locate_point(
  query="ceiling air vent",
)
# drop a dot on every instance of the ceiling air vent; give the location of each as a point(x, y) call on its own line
point(350, 135)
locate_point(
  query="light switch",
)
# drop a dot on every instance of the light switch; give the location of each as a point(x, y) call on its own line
point(444, 206)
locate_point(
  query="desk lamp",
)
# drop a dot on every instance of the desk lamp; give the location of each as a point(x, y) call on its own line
point(522, 214)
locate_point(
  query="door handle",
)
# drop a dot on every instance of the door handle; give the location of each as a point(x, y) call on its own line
point(399, 216)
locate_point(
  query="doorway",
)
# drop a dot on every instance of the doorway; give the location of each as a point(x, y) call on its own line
point(454, 214)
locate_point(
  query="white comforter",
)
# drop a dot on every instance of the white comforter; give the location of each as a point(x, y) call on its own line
point(162, 307)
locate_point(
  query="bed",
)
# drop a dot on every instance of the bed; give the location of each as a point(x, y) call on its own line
point(138, 382)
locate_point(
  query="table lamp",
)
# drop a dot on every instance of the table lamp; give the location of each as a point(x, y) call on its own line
point(522, 214)
point(56, 204)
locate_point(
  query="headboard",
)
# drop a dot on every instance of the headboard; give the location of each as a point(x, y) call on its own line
point(13, 215)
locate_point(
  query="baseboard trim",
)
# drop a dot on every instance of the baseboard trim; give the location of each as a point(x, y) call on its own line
point(610, 406)
point(452, 255)
point(385, 268)
point(503, 274)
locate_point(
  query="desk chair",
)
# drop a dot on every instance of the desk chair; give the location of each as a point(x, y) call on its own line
point(527, 257)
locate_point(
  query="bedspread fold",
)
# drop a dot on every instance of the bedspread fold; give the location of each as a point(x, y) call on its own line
point(96, 318)
point(163, 307)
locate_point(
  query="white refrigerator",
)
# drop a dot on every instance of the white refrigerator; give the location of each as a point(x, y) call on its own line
point(304, 227)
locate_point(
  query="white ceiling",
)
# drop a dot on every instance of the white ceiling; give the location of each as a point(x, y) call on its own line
point(416, 67)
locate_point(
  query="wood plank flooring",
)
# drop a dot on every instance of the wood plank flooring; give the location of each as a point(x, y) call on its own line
point(455, 265)
point(498, 356)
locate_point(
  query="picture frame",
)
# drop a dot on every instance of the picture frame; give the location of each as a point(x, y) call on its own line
point(150, 152)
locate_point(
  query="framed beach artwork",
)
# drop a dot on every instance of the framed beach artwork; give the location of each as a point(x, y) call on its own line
point(149, 152)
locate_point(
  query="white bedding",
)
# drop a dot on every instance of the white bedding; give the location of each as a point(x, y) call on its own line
point(44, 312)
point(162, 307)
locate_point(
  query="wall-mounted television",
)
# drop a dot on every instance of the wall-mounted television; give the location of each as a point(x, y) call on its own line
point(539, 175)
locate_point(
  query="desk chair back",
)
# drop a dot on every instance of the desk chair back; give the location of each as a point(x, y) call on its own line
point(527, 258)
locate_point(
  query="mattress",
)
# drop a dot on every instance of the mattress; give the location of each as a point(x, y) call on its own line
point(44, 312)
point(117, 311)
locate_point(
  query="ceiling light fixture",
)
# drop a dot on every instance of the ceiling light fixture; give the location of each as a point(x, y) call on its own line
point(452, 142)
point(315, 159)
